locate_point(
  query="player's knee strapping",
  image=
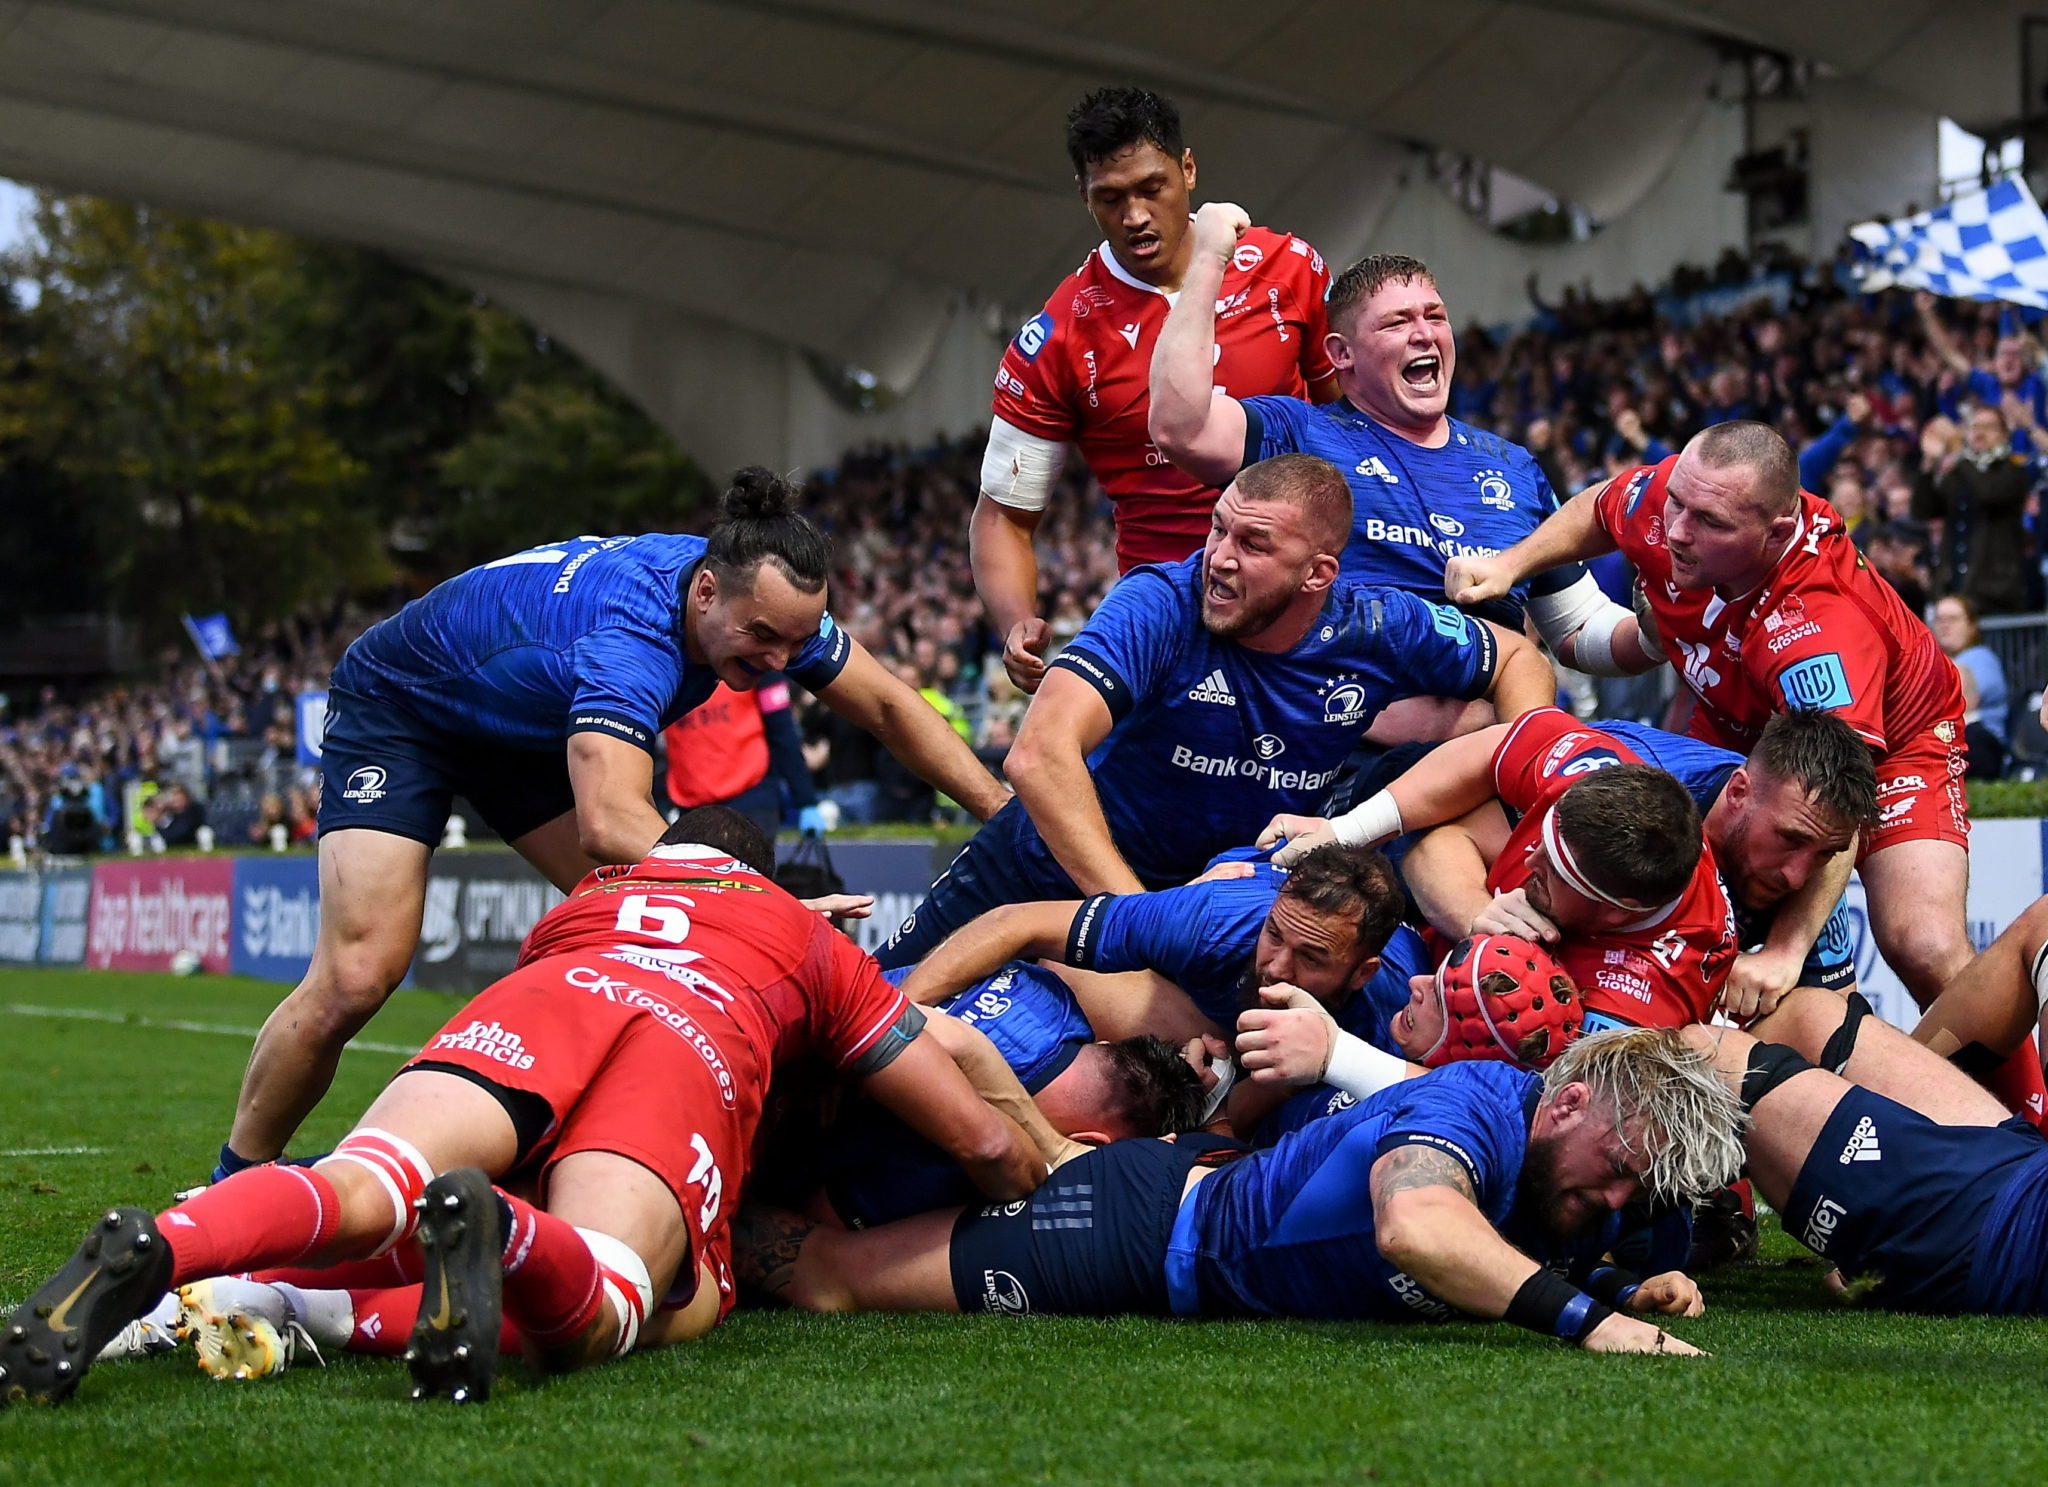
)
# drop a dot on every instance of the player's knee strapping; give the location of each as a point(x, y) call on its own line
point(1770, 1065)
point(1834, 1054)
point(627, 1285)
point(399, 1170)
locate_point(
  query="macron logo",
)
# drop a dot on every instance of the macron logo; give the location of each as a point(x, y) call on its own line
point(1213, 688)
point(1863, 1145)
point(1130, 335)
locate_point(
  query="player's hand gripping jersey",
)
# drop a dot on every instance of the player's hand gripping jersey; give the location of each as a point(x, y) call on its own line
point(1823, 631)
point(1080, 371)
point(1663, 971)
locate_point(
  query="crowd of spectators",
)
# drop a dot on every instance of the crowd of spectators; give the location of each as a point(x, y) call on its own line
point(1922, 422)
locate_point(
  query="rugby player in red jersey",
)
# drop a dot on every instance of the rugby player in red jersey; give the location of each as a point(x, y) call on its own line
point(1764, 603)
point(1078, 371)
point(621, 1067)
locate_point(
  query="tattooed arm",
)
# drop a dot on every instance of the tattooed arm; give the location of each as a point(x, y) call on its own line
point(1427, 1221)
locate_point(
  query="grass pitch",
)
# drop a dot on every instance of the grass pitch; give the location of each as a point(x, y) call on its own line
point(114, 1105)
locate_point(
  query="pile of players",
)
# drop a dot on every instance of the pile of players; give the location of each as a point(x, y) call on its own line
point(1318, 966)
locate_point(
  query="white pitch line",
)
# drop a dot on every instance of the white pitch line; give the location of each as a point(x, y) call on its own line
point(56, 1151)
point(94, 1014)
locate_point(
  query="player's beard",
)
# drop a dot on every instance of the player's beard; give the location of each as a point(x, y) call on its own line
point(1252, 614)
point(1540, 1196)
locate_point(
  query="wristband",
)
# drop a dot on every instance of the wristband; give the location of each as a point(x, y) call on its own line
point(1613, 1285)
point(1376, 820)
point(231, 1162)
point(1551, 1304)
point(1358, 1068)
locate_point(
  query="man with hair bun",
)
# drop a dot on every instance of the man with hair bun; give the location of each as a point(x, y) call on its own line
point(1076, 372)
point(1452, 1192)
point(536, 688)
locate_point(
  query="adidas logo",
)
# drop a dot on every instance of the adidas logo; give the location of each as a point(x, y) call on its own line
point(1213, 688)
point(1863, 1145)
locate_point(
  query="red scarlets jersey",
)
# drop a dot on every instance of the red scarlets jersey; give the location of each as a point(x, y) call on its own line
point(1080, 370)
point(726, 934)
point(1823, 631)
point(1663, 971)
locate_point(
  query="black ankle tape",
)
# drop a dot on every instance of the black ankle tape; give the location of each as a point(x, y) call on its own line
point(1770, 1065)
point(1834, 1056)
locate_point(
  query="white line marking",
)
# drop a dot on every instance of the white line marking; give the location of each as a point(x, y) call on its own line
point(94, 1014)
point(56, 1151)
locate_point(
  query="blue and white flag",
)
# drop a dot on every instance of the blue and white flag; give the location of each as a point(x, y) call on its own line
point(1990, 244)
point(214, 636)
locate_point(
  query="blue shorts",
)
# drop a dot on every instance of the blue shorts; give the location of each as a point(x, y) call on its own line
point(1005, 862)
point(1889, 1194)
point(1091, 1242)
point(383, 769)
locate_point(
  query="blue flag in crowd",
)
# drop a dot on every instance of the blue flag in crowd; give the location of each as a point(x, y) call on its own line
point(214, 636)
point(1988, 245)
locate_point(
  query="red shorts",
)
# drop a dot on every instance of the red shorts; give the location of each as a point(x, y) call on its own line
point(627, 1063)
point(1920, 795)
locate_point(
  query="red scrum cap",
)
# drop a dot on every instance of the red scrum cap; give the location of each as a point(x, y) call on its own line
point(1504, 999)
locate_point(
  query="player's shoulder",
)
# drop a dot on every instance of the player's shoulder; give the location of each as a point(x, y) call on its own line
point(1280, 253)
point(1556, 743)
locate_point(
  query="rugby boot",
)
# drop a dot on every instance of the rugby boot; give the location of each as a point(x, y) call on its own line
point(244, 1329)
point(453, 1353)
point(119, 1272)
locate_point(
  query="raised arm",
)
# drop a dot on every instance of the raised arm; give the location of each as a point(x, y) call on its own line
point(1571, 534)
point(1938, 337)
point(865, 694)
point(1049, 766)
point(1450, 780)
point(1198, 429)
point(987, 943)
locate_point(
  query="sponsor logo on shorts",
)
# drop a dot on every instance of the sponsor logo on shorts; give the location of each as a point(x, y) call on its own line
point(597, 983)
point(366, 785)
point(1902, 782)
point(1820, 1228)
point(1003, 1294)
point(1945, 731)
point(1589, 761)
point(1863, 1145)
point(487, 1040)
point(1895, 810)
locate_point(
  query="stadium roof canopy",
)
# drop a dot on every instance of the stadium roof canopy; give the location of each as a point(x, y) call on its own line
point(832, 174)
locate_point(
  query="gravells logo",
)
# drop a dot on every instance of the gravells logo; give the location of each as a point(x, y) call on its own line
point(365, 785)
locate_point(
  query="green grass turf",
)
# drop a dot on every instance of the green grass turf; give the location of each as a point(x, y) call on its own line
point(1798, 1390)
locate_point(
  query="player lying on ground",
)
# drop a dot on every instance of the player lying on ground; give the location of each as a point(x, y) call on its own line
point(1779, 825)
point(1429, 1198)
point(536, 688)
point(1885, 1159)
point(626, 1077)
point(1240, 678)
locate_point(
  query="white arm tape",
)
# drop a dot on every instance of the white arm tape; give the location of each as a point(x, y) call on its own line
point(1018, 469)
point(1225, 1070)
point(1370, 823)
point(1359, 1069)
point(1584, 612)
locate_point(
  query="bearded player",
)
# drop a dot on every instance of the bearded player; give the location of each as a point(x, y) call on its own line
point(1076, 373)
point(621, 1068)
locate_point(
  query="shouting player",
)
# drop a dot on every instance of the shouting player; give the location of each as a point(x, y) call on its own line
point(536, 687)
point(622, 1069)
point(1245, 673)
point(1425, 1200)
point(1076, 373)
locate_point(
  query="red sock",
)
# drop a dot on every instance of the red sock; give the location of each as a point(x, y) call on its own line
point(552, 1286)
point(2017, 1083)
point(384, 1320)
point(397, 1266)
point(1747, 1194)
point(268, 1215)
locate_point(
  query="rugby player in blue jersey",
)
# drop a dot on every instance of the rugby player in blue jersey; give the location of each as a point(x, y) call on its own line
point(1425, 487)
point(1891, 1162)
point(536, 688)
point(1204, 695)
point(1427, 1199)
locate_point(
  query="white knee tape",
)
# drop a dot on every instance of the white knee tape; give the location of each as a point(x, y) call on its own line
point(626, 1282)
point(397, 1166)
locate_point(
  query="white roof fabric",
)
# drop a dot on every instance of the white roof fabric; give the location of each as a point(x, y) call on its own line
point(833, 174)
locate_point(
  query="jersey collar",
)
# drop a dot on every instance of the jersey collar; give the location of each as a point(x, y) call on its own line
point(1123, 275)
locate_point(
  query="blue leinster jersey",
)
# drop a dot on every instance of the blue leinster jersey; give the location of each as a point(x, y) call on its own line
point(1414, 509)
point(1289, 1231)
point(1210, 740)
point(578, 636)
